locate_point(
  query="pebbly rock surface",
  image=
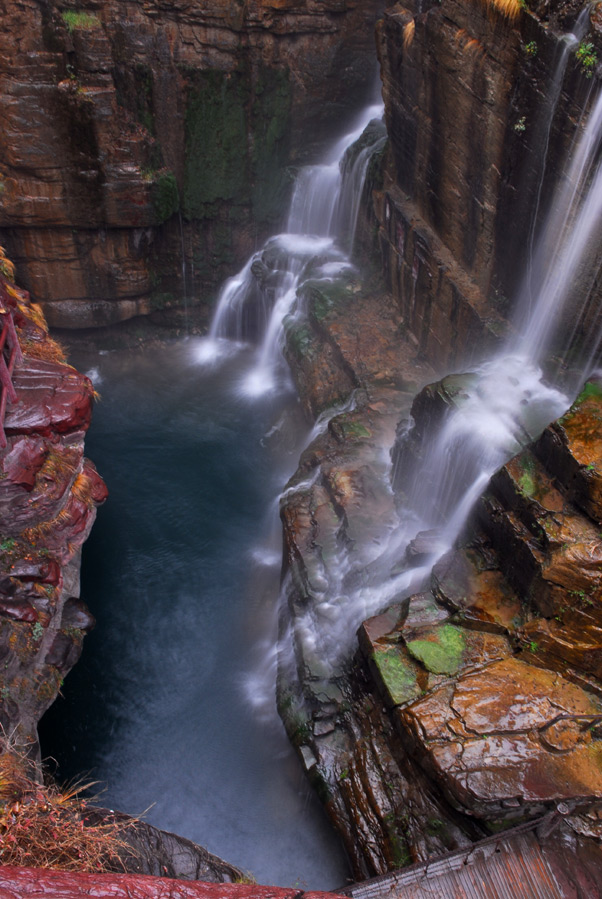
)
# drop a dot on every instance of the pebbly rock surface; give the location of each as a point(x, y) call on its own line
point(145, 149)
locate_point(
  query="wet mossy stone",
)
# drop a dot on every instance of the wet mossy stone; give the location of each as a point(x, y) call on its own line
point(165, 196)
point(397, 674)
point(236, 142)
point(216, 141)
point(442, 652)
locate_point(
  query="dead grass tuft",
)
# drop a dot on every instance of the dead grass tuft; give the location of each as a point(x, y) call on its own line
point(43, 826)
point(49, 350)
point(408, 33)
point(510, 9)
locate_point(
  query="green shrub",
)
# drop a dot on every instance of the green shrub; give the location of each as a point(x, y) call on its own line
point(587, 57)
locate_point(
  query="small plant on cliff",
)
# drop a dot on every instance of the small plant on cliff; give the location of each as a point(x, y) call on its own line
point(42, 826)
point(531, 48)
point(77, 18)
point(587, 57)
point(520, 125)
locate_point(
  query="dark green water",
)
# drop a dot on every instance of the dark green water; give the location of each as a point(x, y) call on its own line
point(172, 703)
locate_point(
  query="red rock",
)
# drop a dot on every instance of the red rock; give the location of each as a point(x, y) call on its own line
point(46, 571)
point(23, 460)
point(17, 609)
point(96, 486)
point(21, 883)
point(51, 398)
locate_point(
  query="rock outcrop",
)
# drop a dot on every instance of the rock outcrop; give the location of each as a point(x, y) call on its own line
point(144, 150)
point(19, 883)
point(49, 493)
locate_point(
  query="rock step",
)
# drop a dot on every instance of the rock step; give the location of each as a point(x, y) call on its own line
point(571, 449)
point(509, 741)
point(461, 625)
point(51, 398)
point(549, 550)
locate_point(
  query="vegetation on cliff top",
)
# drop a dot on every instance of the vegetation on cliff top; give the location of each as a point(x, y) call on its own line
point(43, 826)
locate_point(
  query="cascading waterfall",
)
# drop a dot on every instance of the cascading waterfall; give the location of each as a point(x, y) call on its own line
point(317, 242)
point(505, 403)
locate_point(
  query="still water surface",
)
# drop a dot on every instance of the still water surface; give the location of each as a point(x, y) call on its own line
point(168, 704)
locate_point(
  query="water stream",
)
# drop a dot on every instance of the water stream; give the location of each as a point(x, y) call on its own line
point(182, 570)
point(168, 705)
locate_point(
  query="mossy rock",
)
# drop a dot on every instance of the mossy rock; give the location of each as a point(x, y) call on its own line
point(236, 149)
point(165, 196)
point(441, 652)
point(397, 674)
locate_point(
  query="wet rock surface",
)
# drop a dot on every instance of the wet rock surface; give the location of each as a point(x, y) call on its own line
point(476, 137)
point(18, 883)
point(474, 704)
point(133, 140)
point(49, 493)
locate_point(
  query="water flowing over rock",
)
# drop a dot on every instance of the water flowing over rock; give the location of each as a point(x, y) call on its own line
point(490, 691)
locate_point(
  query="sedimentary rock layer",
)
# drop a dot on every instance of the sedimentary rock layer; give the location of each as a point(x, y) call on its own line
point(144, 147)
point(480, 112)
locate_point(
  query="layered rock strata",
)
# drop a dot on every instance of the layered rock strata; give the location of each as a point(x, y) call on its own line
point(18, 883)
point(337, 512)
point(480, 113)
point(145, 149)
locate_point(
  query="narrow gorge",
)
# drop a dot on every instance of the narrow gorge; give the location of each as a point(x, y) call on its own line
point(407, 357)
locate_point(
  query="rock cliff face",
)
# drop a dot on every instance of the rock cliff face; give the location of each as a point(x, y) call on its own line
point(146, 146)
point(480, 114)
point(474, 702)
point(48, 497)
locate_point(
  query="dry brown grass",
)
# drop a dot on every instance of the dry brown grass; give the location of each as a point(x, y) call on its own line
point(43, 826)
point(81, 489)
point(510, 9)
point(408, 33)
point(49, 350)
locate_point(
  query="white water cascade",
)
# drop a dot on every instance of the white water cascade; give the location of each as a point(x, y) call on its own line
point(317, 242)
point(505, 403)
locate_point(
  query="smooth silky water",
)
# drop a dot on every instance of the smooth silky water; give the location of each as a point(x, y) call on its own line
point(182, 572)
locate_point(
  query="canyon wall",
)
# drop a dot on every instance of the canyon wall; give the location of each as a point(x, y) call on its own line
point(481, 113)
point(146, 147)
point(473, 702)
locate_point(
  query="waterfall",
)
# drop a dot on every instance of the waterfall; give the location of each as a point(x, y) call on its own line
point(502, 404)
point(318, 241)
point(544, 126)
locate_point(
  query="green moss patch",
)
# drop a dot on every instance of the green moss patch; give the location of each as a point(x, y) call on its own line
point(236, 149)
point(397, 675)
point(441, 652)
point(78, 19)
point(165, 196)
